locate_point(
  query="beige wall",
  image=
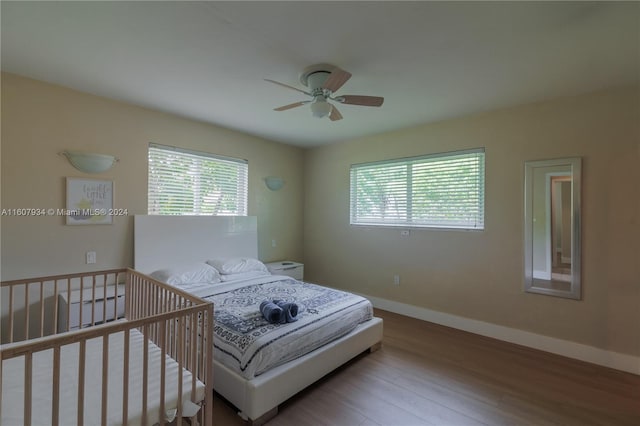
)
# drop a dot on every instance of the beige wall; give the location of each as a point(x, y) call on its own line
point(39, 120)
point(479, 275)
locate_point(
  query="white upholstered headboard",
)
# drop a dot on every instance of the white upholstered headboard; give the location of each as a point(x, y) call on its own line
point(163, 241)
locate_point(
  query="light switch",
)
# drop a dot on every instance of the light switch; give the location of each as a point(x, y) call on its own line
point(91, 257)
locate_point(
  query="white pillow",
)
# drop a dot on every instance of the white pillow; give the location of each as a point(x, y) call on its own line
point(244, 275)
point(197, 272)
point(236, 265)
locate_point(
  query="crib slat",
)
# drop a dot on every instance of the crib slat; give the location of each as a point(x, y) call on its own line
point(11, 314)
point(208, 363)
point(134, 296)
point(115, 297)
point(145, 372)
point(162, 345)
point(125, 380)
point(157, 308)
point(152, 311)
point(55, 400)
point(93, 302)
point(55, 307)
point(193, 345)
point(127, 297)
point(105, 300)
point(158, 300)
point(28, 365)
point(26, 306)
point(80, 322)
point(139, 294)
point(187, 346)
point(143, 296)
point(176, 329)
point(180, 365)
point(1, 364)
point(81, 363)
point(167, 330)
point(68, 309)
point(144, 287)
point(41, 308)
point(105, 376)
point(146, 297)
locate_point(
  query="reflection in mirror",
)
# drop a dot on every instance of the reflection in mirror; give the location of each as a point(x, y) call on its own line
point(552, 227)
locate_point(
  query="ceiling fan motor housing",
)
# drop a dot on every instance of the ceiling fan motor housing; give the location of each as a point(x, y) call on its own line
point(315, 81)
point(314, 76)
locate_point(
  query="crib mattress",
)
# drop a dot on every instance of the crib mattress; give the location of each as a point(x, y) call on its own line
point(42, 379)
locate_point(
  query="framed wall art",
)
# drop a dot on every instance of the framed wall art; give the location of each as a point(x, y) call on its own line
point(89, 201)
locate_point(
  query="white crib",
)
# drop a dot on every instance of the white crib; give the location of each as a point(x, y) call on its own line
point(152, 366)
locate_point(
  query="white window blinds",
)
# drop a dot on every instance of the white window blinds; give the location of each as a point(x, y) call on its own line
point(185, 182)
point(442, 190)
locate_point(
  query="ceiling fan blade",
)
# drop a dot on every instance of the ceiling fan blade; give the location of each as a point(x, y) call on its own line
point(287, 86)
point(336, 79)
point(374, 101)
point(335, 114)
point(286, 107)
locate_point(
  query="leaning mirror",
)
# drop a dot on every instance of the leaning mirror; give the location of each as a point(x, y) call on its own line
point(552, 227)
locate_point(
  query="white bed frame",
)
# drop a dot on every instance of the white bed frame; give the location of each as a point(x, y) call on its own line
point(162, 241)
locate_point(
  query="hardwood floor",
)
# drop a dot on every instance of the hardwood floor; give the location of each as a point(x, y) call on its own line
point(426, 374)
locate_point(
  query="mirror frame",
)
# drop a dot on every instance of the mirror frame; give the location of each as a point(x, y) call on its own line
point(575, 163)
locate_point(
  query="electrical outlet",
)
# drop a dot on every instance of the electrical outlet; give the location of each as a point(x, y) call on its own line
point(274, 243)
point(91, 257)
point(396, 280)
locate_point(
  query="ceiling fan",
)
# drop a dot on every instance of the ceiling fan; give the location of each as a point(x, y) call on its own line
point(323, 80)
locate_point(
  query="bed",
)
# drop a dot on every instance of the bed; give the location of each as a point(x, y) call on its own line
point(255, 367)
point(153, 365)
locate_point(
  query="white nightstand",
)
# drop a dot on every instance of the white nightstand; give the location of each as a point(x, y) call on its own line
point(294, 270)
point(106, 305)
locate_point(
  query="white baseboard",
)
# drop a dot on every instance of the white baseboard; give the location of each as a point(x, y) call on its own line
point(618, 361)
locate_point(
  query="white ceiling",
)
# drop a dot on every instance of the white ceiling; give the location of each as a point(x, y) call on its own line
point(429, 60)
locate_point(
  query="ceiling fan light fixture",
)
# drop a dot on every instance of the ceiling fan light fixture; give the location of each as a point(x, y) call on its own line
point(320, 108)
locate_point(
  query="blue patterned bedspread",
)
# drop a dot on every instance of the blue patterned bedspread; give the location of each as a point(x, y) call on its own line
point(247, 343)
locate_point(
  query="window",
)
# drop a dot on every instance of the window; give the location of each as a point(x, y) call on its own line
point(442, 191)
point(185, 182)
